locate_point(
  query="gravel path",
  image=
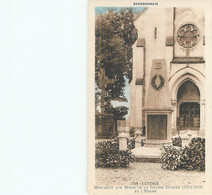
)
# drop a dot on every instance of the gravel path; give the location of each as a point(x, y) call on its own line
point(147, 172)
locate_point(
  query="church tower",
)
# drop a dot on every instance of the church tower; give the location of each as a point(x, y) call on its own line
point(167, 94)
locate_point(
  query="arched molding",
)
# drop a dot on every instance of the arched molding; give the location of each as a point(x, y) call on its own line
point(187, 75)
point(180, 70)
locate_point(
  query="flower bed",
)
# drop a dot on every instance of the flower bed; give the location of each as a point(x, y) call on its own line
point(109, 155)
point(130, 143)
point(191, 157)
point(177, 141)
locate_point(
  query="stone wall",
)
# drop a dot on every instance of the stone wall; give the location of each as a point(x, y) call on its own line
point(159, 40)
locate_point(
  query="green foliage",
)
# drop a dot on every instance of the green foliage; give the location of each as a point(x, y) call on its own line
point(130, 143)
point(129, 34)
point(132, 131)
point(108, 155)
point(177, 141)
point(191, 157)
point(119, 112)
point(97, 96)
point(171, 157)
point(110, 54)
point(115, 34)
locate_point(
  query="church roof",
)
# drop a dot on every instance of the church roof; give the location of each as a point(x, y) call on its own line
point(139, 14)
point(140, 43)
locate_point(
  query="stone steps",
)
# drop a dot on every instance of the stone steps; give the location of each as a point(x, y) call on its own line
point(147, 159)
point(156, 143)
point(147, 154)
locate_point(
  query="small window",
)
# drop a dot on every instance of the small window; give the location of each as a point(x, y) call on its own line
point(155, 33)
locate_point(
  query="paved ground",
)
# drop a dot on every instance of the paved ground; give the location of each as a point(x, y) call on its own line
point(147, 172)
point(147, 151)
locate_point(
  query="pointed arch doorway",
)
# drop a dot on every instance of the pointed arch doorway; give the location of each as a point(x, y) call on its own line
point(188, 106)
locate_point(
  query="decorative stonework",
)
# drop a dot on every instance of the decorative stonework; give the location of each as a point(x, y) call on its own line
point(169, 41)
point(188, 35)
point(173, 102)
point(157, 82)
point(186, 60)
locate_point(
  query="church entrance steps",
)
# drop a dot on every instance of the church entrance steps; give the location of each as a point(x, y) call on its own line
point(147, 154)
point(194, 133)
point(156, 143)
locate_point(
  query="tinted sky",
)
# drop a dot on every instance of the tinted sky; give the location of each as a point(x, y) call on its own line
point(127, 95)
point(99, 10)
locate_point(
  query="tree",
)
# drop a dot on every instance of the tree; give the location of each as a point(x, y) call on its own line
point(119, 112)
point(114, 34)
point(129, 34)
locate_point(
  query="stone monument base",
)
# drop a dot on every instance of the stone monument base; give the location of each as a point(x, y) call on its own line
point(105, 126)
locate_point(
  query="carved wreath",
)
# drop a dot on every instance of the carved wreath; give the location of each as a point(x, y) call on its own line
point(157, 82)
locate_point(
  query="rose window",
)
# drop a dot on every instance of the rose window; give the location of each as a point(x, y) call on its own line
point(188, 35)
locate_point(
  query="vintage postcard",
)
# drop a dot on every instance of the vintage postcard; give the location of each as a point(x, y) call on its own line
point(150, 97)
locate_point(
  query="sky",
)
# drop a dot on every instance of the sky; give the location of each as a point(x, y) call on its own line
point(102, 10)
point(127, 95)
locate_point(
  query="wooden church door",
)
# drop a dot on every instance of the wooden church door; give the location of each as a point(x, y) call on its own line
point(189, 115)
point(157, 127)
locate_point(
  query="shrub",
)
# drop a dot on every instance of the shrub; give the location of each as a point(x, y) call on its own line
point(191, 157)
point(130, 143)
point(108, 155)
point(177, 141)
point(132, 131)
point(171, 157)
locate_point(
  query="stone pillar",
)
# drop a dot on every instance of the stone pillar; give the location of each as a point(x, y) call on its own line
point(202, 115)
point(127, 129)
point(138, 139)
point(136, 85)
point(121, 126)
point(174, 117)
point(123, 141)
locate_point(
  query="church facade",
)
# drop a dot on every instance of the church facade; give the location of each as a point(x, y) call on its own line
point(167, 93)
